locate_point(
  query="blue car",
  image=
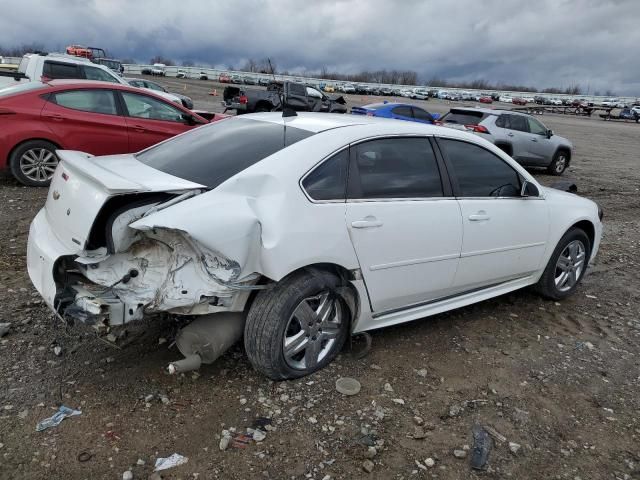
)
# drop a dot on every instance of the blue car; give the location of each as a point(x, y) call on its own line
point(400, 111)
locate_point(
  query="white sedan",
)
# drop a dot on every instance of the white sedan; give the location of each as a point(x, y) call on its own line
point(308, 228)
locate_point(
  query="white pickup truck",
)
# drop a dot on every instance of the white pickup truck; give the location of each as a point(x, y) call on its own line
point(37, 67)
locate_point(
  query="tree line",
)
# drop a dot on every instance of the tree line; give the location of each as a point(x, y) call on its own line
point(384, 76)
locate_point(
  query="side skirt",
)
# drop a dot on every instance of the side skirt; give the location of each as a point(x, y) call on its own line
point(369, 321)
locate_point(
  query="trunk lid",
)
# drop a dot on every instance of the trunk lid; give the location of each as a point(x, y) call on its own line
point(82, 184)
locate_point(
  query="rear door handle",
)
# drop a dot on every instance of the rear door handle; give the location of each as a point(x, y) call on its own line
point(372, 223)
point(509, 134)
point(479, 217)
point(534, 139)
point(56, 117)
point(139, 128)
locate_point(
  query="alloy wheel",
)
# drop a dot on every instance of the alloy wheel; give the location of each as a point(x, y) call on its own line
point(560, 163)
point(38, 164)
point(312, 330)
point(570, 265)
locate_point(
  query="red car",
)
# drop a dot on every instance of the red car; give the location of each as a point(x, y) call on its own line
point(100, 118)
point(518, 101)
point(486, 99)
point(224, 78)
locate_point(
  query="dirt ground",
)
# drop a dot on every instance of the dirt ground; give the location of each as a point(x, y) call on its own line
point(559, 379)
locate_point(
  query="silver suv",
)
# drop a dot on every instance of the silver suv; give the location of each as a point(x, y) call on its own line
point(522, 136)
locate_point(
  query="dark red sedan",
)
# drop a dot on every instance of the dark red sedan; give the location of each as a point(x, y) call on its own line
point(100, 118)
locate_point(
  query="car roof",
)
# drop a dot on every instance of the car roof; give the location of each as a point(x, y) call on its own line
point(489, 111)
point(320, 122)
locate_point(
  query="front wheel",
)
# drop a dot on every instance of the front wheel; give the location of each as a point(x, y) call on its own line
point(559, 163)
point(567, 265)
point(297, 327)
point(34, 162)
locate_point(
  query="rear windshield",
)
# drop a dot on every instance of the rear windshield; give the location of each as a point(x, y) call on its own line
point(213, 153)
point(21, 88)
point(376, 106)
point(464, 117)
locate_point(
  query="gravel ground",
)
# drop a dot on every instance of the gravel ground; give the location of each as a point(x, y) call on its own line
point(560, 380)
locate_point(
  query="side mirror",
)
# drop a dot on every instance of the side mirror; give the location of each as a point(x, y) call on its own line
point(549, 133)
point(529, 190)
point(190, 119)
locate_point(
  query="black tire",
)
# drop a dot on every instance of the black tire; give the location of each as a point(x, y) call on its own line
point(546, 286)
point(272, 316)
point(559, 163)
point(263, 107)
point(506, 148)
point(19, 161)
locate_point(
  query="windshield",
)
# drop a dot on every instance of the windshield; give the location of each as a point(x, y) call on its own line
point(213, 153)
point(464, 117)
point(112, 64)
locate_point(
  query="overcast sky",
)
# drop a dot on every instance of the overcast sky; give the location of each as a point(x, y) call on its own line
point(541, 43)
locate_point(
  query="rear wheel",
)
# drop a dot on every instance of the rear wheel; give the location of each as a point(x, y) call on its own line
point(263, 107)
point(566, 266)
point(559, 163)
point(297, 327)
point(34, 162)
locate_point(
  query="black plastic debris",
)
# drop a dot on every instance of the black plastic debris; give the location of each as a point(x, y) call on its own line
point(482, 444)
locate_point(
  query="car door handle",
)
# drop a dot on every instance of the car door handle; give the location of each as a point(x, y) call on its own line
point(534, 139)
point(55, 117)
point(479, 217)
point(139, 128)
point(371, 223)
point(509, 134)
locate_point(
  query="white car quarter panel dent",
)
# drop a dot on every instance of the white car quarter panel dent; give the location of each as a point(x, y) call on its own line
point(263, 226)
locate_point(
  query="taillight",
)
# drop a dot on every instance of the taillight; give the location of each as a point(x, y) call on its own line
point(477, 128)
point(243, 99)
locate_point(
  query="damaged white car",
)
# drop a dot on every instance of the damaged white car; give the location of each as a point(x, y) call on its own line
point(298, 232)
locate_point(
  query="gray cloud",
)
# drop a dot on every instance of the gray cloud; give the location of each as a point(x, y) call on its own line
point(543, 43)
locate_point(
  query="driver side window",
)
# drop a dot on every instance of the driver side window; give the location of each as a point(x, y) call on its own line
point(536, 127)
point(480, 173)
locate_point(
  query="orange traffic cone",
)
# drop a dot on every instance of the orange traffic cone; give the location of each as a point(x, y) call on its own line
point(214, 92)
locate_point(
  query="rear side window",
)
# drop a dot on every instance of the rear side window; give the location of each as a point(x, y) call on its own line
point(395, 168)
point(479, 172)
point(464, 117)
point(143, 106)
point(95, 101)
point(421, 114)
point(213, 153)
point(519, 123)
point(403, 111)
point(329, 180)
point(54, 70)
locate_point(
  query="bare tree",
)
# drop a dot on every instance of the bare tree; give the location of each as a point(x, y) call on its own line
point(161, 59)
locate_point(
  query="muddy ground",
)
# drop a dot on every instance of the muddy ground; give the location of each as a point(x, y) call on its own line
point(559, 379)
